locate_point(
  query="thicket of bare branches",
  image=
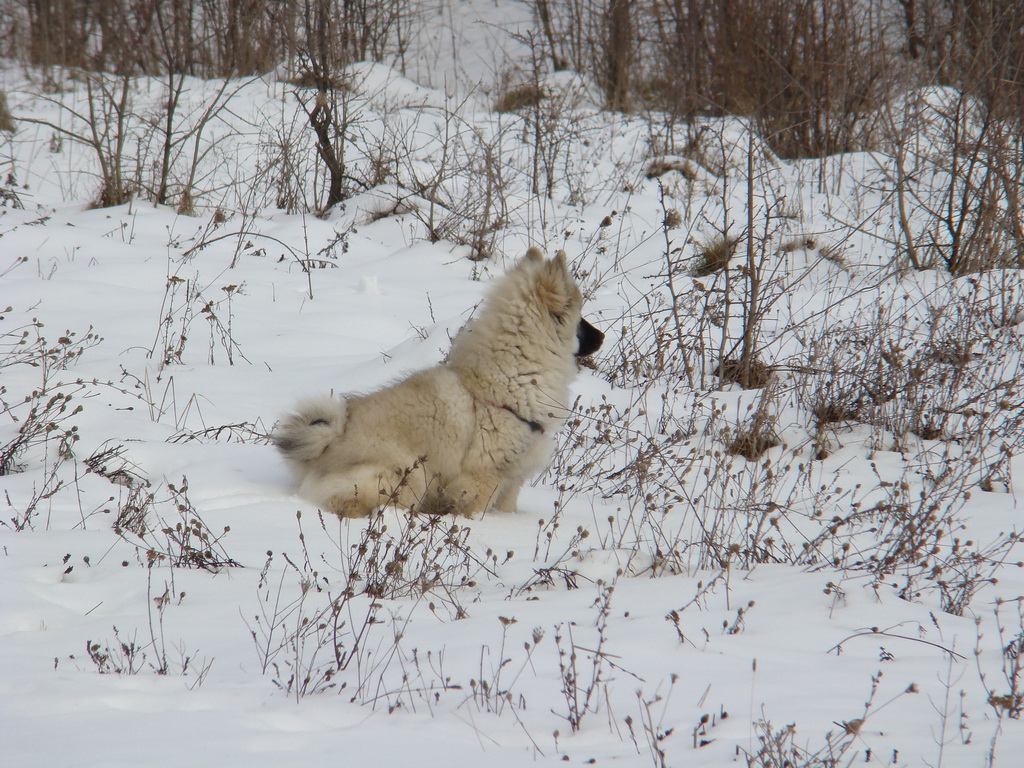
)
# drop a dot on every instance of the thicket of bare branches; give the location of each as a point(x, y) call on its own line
point(204, 38)
point(809, 73)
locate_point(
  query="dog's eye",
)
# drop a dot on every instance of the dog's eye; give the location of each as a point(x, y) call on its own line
point(558, 317)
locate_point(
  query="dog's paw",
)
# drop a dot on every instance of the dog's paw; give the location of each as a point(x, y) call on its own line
point(346, 506)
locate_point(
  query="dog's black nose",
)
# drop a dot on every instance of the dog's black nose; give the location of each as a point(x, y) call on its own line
point(589, 339)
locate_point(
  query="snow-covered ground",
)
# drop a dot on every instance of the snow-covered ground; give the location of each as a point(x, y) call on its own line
point(167, 599)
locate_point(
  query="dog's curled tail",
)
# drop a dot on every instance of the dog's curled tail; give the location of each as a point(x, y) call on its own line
point(305, 434)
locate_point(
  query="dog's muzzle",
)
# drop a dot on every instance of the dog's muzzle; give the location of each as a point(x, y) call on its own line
point(589, 339)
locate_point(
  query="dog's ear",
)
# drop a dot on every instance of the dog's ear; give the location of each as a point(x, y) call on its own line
point(553, 287)
point(534, 254)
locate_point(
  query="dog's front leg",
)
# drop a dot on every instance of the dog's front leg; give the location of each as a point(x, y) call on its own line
point(508, 498)
point(472, 494)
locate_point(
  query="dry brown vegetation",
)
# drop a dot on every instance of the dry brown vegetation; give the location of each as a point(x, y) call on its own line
point(809, 73)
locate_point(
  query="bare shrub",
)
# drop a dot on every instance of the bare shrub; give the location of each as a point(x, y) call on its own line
point(309, 640)
point(812, 81)
point(130, 656)
point(709, 323)
point(42, 420)
point(547, 105)
point(234, 38)
point(1007, 700)
point(781, 748)
point(851, 371)
point(161, 149)
point(180, 144)
point(461, 195)
point(208, 38)
point(427, 557)
point(700, 486)
point(102, 120)
point(584, 680)
point(39, 432)
point(182, 541)
point(911, 537)
point(306, 640)
point(685, 500)
point(938, 367)
point(112, 44)
point(284, 163)
point(186, 300)
point(122, 657)
point(957, 165)
point(330, 36)
point(330, 119)
point(492, 690)
point(326, 35)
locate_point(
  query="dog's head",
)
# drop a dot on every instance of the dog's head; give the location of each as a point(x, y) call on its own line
point(556, 291)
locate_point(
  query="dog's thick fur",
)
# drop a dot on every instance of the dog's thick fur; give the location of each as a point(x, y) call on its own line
point(462, 436)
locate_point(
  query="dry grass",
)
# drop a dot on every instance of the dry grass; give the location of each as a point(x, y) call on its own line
point(732, 372)
point(714, 255)
point(662, 165)
point(520, 97)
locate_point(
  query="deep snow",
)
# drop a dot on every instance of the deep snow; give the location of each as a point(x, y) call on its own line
point(198, 352)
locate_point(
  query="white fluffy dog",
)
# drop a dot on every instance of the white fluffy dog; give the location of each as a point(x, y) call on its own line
point(462, 436)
